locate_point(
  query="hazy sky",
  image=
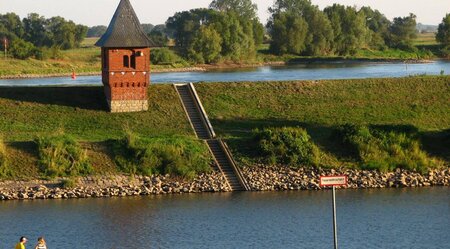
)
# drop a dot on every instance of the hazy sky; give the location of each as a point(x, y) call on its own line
point(99, 12)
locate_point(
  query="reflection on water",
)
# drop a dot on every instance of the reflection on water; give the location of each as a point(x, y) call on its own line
point(308, 71)
point(376, 218)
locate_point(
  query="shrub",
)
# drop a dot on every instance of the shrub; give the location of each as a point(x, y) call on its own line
point(21, 49)
point(61, 155)
point(68, 183)
point(45, 53)
point(164, 56)
point(287, 145)
point(179, 156)
point(5, 171)
point(386, 151)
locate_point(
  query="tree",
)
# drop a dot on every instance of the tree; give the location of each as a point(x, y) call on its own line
point(205, 46)
point(96, 31)
point(21, 49)
point(158, 38)
point(35, 31)
point(402, 32)
point(80, 34)
point(309, 19)
point(147, 27)
point(12, 23)
point(65, 34)
point(378, 25)
point(185, 24)
point(320, 35)
point(246, 12)
point(244, 8)
point(443, 34)
point(237, 37)
point(349, 28)
point(288, 33)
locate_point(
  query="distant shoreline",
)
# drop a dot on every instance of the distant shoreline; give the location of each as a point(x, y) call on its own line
point(207, 67)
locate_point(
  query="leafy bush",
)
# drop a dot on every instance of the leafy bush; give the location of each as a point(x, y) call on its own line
point(287, 145)
point(180, 156)
point(164, 56)
point(205, 46)
point(45, 53)
point(4, 168)
point(61, 155)
point(68, 183)
point(21, 49)
point(386, 151)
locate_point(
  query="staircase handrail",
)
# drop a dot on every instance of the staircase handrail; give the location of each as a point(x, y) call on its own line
point(236, 170)
point(217, 163)
point(202, 110)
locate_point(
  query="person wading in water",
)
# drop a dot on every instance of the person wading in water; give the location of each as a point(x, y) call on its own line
point(21, 244)
point(41, 243)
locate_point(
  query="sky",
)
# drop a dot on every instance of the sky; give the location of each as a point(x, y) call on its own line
point(99, 12)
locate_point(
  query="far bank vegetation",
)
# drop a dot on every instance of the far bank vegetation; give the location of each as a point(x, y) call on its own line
point(228, 32)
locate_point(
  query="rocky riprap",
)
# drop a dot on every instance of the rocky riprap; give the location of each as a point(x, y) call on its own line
point(260, 178)
point(265, 178)
point(108, 186)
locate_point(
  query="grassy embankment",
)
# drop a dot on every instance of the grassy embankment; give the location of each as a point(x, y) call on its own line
point(413, 104)
point(86, 59)
point(80, 112)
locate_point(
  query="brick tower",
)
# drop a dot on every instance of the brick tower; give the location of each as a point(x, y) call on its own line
point(125, 61)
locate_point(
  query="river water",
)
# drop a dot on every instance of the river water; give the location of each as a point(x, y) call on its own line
point(374, 218)
point(312, 71)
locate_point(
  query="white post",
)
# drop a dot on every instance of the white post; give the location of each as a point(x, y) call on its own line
point(334, 218)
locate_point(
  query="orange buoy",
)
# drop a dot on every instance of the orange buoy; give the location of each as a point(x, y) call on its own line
point(74, 76)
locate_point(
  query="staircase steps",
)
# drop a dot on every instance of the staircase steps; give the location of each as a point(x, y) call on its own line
point(199, 122)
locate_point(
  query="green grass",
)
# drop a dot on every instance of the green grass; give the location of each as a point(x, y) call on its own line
point(81, 112)
point(418, 103)
point(395, 54)
point(411, 104)
point(386, 151)
point(176, 155)
point(81, 60)
point(89, 41)
point(60, 155)
point(5, 171)
point(425, 39)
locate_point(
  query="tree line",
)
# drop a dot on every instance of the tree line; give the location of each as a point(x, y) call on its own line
point(35, 34)
point(229, 30)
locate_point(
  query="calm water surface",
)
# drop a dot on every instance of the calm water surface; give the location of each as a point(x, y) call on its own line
point(314, 71)
point(387, 218)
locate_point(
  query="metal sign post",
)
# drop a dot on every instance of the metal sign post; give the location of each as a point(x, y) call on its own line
point(334, 218)
point(333, 181)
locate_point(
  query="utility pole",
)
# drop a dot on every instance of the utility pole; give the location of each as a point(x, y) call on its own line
point(5, 45)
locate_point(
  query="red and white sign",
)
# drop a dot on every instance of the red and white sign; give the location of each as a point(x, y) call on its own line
point(333, 180)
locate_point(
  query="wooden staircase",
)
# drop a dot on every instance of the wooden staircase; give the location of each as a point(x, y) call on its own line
point(204, 130)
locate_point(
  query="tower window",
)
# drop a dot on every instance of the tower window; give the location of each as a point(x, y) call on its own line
point(133, 61)
point(126, 61)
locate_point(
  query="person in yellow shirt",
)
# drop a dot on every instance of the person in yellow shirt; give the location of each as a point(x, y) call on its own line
point(21, 244)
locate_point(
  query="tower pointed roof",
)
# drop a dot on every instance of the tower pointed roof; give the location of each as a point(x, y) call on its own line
point(124, 30)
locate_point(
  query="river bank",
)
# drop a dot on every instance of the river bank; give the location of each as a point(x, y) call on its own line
point(260, 178)
point(221, 66)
